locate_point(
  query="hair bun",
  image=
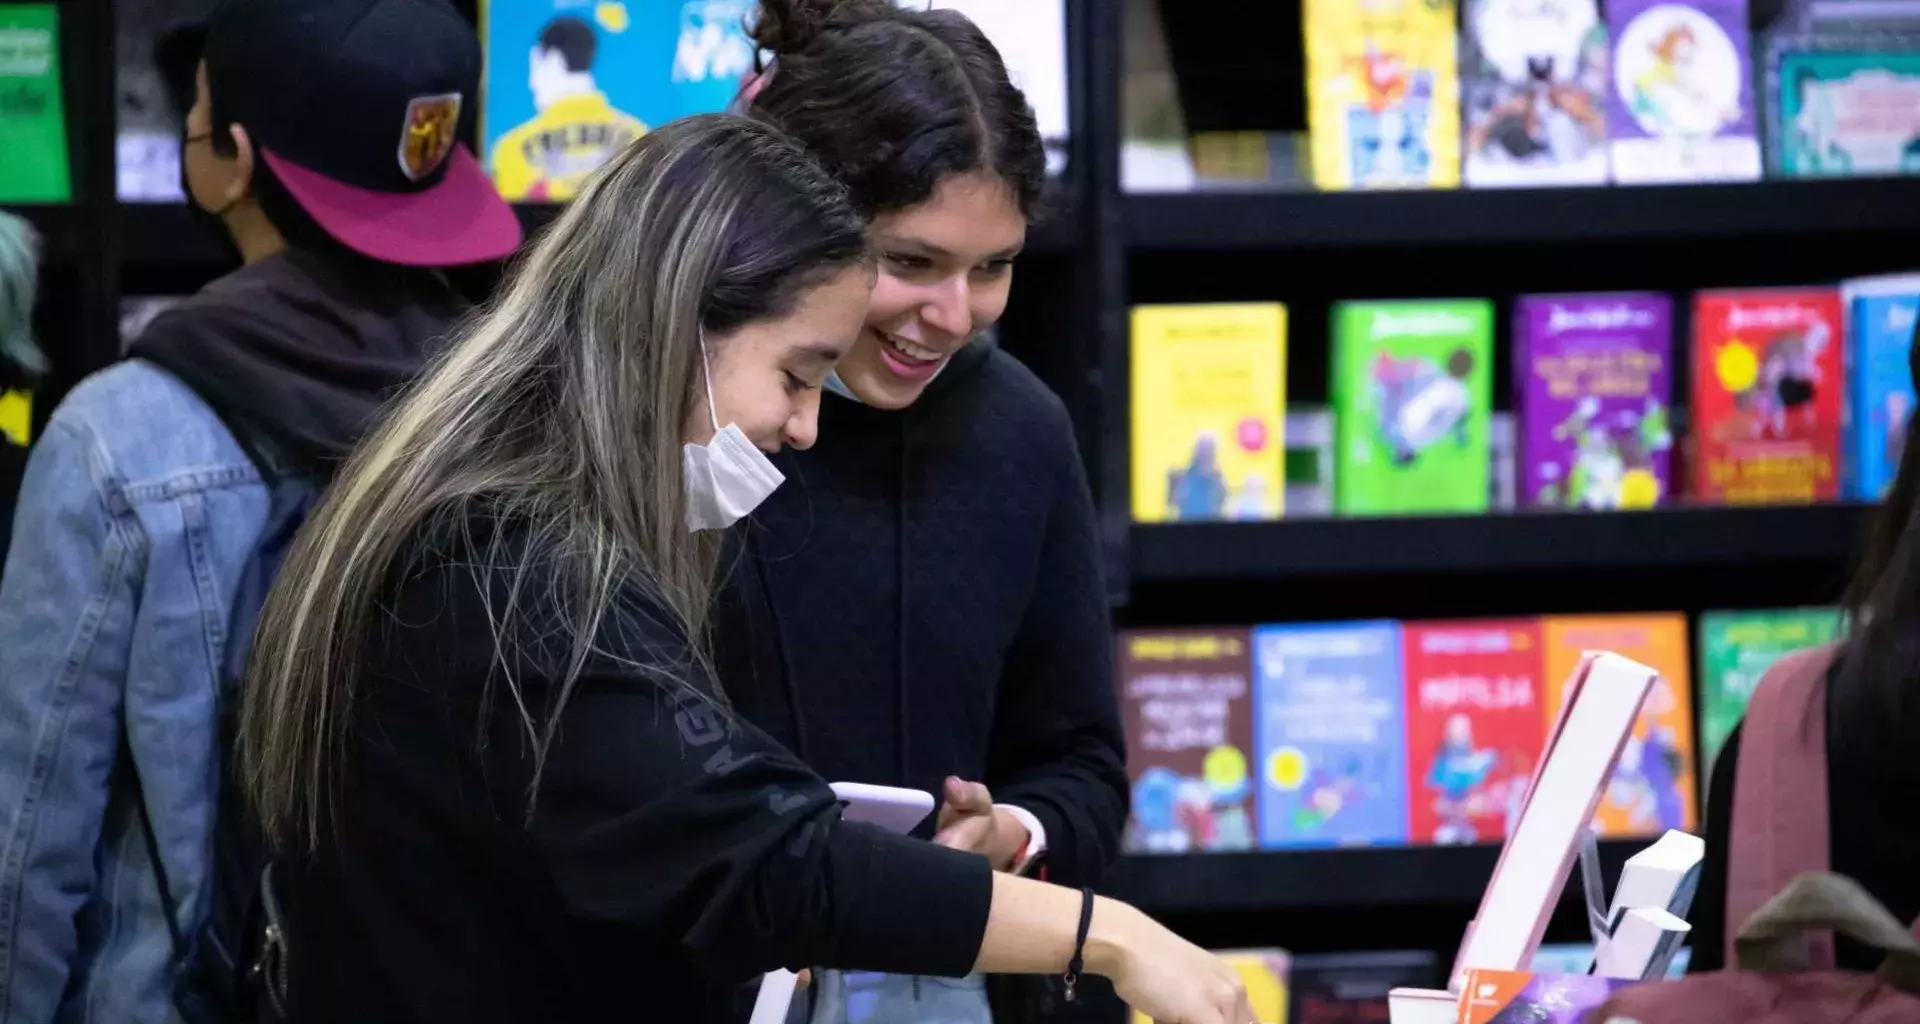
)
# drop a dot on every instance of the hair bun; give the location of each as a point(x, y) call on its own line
point(793, 26)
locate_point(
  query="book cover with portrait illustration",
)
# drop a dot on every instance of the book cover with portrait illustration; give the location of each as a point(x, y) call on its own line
point(1187, 698)
point(1474, 726)
point(1330, 735)
point(1681, 103)
point(1209, 393)
point(1767, 384)
point(569, 83)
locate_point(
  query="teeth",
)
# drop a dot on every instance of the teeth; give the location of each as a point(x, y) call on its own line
point(907, 348)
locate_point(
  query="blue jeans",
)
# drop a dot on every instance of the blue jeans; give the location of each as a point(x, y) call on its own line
point(837, 997)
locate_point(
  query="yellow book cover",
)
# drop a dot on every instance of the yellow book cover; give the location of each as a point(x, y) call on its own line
point(16, 418)
point(1264, 972)
point(1209, 398)
point(1383, 93)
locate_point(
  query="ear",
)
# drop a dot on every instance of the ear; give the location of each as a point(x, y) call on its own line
point(243, 157)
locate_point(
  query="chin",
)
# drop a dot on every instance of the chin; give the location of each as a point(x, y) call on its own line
point(876, 390)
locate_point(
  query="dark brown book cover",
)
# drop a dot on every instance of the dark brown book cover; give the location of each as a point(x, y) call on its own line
point(1188, 700)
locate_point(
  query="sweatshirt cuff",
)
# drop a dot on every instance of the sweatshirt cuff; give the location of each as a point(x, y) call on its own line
point(1036, 838)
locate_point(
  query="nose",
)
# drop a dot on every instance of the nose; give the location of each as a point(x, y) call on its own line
point(803, 427)
point(947, 307)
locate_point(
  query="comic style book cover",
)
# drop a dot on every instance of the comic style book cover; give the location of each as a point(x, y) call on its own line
point(1330, 735)
point(1767, 380)
point(1736, 649)
point(1474, 726)
point(569, 83)
point(1681, 105)
point(1534, 84)
point(1880, 396)
point(1187, 697)
point(1526, 997)
point(1209, 399)
point(1848, 113)
point(1652, 789)
point(1595, 391)
point(1413, 389)
point(1383, 93)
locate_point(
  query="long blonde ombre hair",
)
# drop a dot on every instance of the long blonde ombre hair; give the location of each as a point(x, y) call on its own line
point(563, 405)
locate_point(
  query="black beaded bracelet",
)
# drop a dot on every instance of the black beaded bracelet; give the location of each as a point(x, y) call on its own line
point(1079, 963)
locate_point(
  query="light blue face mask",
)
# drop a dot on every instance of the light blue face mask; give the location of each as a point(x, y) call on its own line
point(839, 387)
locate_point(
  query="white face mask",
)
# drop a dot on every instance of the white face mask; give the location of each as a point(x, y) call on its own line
point(727, 477)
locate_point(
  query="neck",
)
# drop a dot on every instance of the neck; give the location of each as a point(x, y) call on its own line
point(573, 83)
point(253, 234)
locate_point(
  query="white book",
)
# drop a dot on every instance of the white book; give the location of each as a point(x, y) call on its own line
point(1662, 876)
point(1604, 698)
point(1642, 945)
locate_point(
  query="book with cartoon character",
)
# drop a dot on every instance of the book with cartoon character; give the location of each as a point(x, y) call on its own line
point(1736, 649)
point(1383, 94)
point(1681, 102)
point(1330, 735)
point(1533, 85)
point(1209, 394)
point(1474, 726)
point(569, 83)
point(1880, 329)
point(1652, 787)
point(1187, 697)
point(1848, 113)
point(1595, 393)
point(1767, 380)
point(1412, 387)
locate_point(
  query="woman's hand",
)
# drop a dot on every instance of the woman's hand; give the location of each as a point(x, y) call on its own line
point(1160, 974)
point(969, 821)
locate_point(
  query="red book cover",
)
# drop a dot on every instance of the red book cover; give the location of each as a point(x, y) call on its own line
point(1767, 382)
point(1474, 726)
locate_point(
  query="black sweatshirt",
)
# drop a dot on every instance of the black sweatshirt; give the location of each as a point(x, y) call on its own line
point(1871, 840)
point(673, 853)
point(923, 597)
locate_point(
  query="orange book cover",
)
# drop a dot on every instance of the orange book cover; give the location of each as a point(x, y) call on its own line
point(1653, 786)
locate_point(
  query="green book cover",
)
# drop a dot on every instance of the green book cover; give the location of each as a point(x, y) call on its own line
point(33, 122)
point(1736, 649)
point(1413, 390)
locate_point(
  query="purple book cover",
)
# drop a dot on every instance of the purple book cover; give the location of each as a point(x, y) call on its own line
point(1681, 103)
point(1595, 391)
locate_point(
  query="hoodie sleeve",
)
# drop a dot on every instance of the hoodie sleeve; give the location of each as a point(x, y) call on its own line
point(1057, 749)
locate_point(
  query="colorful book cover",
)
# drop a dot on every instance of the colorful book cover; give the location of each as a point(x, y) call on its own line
point(1383, 94)
point(1523, 997)
point(16, 418)
point(572, 82)
point(1209, 387)
point(1736, 649)
point(1766, 396)
point(1595, 392)
point(1652, 789)
point(1188, 700)
point(1351, 988)
point(1474, 726)
point(1412, 387)
point(1681, 106)
point(1331, 735)
point(1848, 113)
point(1880, 398)
point(33, 120)
point(1263, 972)
point(1534, 84)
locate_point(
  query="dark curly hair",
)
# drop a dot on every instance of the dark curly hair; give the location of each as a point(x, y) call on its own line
point(892, 100)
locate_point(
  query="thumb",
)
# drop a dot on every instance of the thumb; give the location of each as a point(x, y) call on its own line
point(971, 797)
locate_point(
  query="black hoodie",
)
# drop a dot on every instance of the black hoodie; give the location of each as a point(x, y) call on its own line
point(922, 598)
point(300, 349)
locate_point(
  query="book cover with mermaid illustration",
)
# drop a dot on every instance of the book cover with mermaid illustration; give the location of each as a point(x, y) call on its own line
point(1209, 394)
point(1383, 93)
point(1330, 735)
point(1474, 726)
point(1187, 696)
point(1681, 102)
point(1767, 381)
point(1595, 392)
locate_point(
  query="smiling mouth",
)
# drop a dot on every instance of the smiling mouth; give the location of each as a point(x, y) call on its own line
point(909, 352)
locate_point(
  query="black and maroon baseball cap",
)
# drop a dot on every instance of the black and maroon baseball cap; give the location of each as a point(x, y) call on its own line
point(359, 106)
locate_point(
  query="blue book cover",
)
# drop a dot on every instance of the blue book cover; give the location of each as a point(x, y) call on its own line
point(1882, 388)
point(569, 83)
point(1331, 735)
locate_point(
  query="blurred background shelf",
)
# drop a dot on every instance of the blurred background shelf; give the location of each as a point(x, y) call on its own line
point(1660, 538)
point(1371, 877)
point(60, 226)
point(1235, 220)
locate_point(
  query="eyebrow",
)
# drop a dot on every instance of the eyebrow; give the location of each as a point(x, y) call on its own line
point(928, 248)
point(821, 352)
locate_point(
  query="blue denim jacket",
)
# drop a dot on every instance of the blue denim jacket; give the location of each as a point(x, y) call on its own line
point(137, 514)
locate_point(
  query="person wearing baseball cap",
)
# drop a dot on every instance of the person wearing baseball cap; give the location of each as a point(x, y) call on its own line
point(323, 142)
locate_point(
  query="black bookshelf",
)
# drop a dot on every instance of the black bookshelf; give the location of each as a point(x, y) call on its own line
point(1772, 210)
point(1380, 878)
point(1676, 538)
